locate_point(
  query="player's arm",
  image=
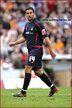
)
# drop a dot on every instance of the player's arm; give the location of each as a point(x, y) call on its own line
point(47, 40)
point(21, 40)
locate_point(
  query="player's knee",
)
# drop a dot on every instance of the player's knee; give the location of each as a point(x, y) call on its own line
point(28, 69)
point(38, 72)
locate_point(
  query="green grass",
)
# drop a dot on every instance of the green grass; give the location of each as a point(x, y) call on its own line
point(36, 98)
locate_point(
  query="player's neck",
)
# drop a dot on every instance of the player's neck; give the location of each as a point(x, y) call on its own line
point(31, 20)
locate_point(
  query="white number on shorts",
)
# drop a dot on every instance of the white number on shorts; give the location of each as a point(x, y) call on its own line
point(32, 59)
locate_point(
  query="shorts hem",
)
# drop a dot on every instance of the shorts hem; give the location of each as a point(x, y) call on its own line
point(33, 66)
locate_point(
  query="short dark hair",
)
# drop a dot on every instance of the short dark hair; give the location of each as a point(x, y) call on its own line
point(29, 8)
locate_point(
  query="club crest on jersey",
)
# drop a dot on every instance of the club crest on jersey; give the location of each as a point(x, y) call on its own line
point(31, 28)
point(43, 32)
point(26, 28)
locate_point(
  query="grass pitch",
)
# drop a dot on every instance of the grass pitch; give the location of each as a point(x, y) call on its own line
point(36, 98)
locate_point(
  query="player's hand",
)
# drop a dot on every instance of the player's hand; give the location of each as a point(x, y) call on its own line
point(12, 44)
point(52, 54)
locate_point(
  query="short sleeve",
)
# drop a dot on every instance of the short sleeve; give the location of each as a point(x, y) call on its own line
point(43, 30)
point(24, 35)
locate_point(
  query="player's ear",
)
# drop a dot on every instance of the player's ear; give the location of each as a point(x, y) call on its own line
point(25, 17)
point(34, 13)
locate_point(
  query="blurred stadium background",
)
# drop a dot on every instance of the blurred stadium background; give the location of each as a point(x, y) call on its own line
point(13, 59)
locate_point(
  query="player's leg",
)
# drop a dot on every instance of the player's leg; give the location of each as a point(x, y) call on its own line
point(46, 80)
point(27, 79)
point(28, 70)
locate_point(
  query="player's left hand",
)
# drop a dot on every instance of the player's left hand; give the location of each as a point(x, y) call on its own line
point(52, 54)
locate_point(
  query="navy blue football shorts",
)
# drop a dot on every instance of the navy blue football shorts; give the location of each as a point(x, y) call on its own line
point(35, 57)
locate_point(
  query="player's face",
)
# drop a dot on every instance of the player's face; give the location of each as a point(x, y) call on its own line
point(30, 15)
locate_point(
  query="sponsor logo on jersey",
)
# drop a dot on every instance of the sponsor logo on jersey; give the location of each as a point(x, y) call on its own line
point(29, 33)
